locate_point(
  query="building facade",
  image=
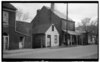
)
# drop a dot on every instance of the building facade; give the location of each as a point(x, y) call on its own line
point(46, 17)
point(16, 34)
point(45, 36)
point(9, 36)
point(23, 33)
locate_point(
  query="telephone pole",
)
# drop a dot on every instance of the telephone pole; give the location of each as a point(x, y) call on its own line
point(67, 11)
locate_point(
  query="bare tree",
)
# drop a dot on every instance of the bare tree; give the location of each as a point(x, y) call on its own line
point(20, 15)
point(85, 23)
point(91, 28)
point(26, 16)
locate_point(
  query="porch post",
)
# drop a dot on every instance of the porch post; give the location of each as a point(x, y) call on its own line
point(77, 39)
point(41, 42)
point(63, 39)
point(70, 39)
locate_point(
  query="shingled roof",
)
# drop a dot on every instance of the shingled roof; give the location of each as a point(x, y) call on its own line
point(8, 5)
point(23, 27)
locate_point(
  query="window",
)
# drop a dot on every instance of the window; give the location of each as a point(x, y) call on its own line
point(52, 27)
point(55, 38)
point(5, 18)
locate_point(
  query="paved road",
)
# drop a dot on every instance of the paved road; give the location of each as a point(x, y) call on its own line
point(66, 53)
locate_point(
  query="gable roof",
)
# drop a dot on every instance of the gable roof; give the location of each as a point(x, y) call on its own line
point(41, 28)
point(9, 6)
point(23, 27)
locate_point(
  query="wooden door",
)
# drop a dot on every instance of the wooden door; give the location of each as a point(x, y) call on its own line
point(5, 42)
point(48, 40)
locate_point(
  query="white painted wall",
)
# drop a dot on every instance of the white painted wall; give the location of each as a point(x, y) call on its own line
point(52, 33)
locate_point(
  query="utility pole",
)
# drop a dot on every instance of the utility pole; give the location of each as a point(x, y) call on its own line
point(66, 26)
point(67, 11)
point(67, 21)
point(66, 16)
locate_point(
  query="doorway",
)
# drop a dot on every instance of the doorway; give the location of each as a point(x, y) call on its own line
point(5, 41)
point(21, 42)
point(48, 40)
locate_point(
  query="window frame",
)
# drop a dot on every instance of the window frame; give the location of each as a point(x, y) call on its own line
point(5, 18)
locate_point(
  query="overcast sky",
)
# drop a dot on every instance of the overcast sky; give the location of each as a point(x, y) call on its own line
point(76, 11)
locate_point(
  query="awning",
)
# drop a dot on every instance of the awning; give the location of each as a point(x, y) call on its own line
point(73, 33)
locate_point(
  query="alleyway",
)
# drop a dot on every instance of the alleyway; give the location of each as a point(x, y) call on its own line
point(88, 51)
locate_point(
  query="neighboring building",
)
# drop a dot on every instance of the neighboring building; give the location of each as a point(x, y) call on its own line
point(23, 33)
point(9, 34)
point(91, 38)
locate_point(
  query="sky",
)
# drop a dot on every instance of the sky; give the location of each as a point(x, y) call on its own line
point(76, 11)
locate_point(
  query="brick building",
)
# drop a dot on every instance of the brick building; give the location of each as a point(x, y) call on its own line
point(16, 34)
point(47, 16)
point(23, 33)
point(9, 34)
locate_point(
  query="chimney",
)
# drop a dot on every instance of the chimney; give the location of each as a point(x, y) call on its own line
point(52, 6)
point(38, 11)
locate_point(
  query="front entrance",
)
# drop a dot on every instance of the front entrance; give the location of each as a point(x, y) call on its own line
point(5, 42)
point(21, 42)
point(48, 40)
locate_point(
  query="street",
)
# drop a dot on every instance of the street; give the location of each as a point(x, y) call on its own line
point(88, 51)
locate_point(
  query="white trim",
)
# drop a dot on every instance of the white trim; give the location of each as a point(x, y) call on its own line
point(8, 42)
point(4, 42)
